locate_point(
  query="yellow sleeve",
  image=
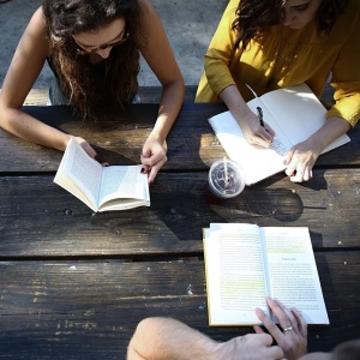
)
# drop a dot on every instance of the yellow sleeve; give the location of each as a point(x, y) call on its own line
point(219, 54)
point(346, 78)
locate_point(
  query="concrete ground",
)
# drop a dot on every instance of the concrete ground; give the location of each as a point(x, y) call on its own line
point(189, 25)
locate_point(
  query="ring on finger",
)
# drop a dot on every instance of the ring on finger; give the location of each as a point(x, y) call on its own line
point(288, 328)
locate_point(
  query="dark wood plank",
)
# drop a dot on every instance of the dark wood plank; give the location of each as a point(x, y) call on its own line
point(192, 144)
point(89, 309)
point(152, 94)
point(38, 218)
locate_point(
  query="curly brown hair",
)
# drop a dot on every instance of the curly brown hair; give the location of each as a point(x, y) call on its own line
point(93, 90)
point(254, 16)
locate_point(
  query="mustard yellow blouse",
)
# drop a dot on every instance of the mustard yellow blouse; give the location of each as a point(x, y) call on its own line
point(288, 57)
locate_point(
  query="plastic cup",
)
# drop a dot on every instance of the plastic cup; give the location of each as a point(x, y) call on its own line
point(226, 179)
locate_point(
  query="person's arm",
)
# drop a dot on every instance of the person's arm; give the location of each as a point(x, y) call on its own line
point(341, 117)
point(163, 339)
point(217, 60)
point(158, 54)
point(25, 67)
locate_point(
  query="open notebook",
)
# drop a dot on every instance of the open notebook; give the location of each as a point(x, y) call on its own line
point(245, 263)
point(294, 113)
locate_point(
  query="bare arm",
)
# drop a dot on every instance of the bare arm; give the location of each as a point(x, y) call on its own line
point(25, 67)
point(163, 339)
point(158, 54)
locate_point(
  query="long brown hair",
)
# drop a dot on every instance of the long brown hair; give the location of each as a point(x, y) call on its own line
point(94, 89)
point(254, 16)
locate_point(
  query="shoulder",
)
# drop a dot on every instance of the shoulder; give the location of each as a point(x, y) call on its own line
point(37, 22)
point(36, 31)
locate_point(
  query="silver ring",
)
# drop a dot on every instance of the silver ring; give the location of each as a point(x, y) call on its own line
point(288, 328)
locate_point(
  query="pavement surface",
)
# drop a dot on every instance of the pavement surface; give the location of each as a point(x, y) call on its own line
point(189, 24)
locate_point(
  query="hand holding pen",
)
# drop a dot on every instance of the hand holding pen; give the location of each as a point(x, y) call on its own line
point(255, 130)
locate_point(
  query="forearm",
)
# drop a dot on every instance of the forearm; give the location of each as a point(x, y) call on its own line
point(28, 128)
point(331, 130)
point(162, 339)
point(170, 104)
point(235, 103)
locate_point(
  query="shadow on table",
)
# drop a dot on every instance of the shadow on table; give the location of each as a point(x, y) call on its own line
point(187, 211)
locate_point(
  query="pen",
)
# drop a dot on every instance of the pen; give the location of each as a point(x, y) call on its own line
point(260, 114)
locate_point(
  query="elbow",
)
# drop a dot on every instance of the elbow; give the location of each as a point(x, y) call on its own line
point(146, 341)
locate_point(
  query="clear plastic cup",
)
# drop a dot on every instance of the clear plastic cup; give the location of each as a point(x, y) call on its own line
point(226, 179)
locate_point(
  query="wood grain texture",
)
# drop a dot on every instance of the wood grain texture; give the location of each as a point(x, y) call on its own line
point(38, 218)
point(89, 309)
point(191, 144)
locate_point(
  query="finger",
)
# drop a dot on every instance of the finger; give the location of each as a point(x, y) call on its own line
point(258, 329)
point(269, 129)
point(290, 170)
point(153, 159)
point(279, 312)
point(146, 153)
point(307, 174)
point(275, 352)
point(264, 339)
point(301, 322)
point(269, 325)
point(258, 140)
point(288, 157)
point(289, 314)
point(154, 170)
point(89, 149)
point(299, 175)
point(145, 169)
point(264, 134)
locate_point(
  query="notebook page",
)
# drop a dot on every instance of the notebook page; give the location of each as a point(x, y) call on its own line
point(294, 278)
point(235, 274)
point(299, 113)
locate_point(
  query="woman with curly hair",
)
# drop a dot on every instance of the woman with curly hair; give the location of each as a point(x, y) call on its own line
point(93, 48)
point(271, 44)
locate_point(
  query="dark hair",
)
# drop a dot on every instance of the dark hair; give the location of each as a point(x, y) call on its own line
point(254, 16)
point(93, 89)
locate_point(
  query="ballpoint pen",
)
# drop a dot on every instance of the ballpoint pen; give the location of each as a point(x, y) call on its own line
point(260, 115)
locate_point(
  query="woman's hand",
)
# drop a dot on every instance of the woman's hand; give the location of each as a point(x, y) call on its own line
point(85, 145)
point(293, 337)
point(90, 150)
point(300, 160)
point(153, 157)
point(254, 133)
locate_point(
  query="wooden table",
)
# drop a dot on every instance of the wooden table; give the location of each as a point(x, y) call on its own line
point(74, 284)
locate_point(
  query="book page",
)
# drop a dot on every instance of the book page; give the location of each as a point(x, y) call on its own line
point(234, 274)
point(292, 271)
point(299, 113)
point(84, 171)
point(123, 182)
point(257, 163)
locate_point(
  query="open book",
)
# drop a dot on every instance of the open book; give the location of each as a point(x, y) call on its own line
point(101, 188)
point(294, 113)
point(245, 263)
